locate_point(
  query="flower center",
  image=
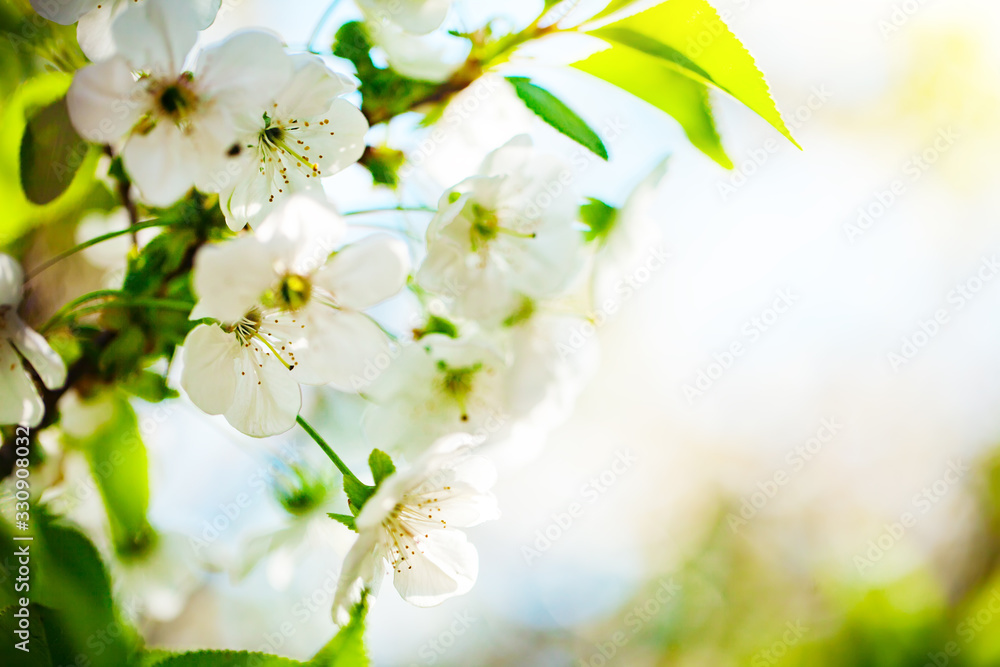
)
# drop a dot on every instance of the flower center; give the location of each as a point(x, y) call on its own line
point(278, 139)
point(294, 291)
point(458, 383)
point(485, 227)
point(177, 99)
point(274, 134)
point(248, 327)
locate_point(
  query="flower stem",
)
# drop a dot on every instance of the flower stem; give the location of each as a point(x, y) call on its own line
point(341, 466)
point(94, 241)
point(161, 304)
point(68, 309)
point(65, 310)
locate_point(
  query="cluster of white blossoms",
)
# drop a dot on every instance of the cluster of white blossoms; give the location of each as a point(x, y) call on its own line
point(281, 302)
point(242, 117)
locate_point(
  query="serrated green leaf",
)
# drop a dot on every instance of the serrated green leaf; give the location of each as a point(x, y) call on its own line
point(154, 657)
point(222, 659)
point(553, 111)
point(381, 465)
point(683, 33)
point(345, 519)
point(347, 648)
point(649, 79)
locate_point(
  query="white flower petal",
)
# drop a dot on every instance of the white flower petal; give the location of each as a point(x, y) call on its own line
point(209, 375)
point(267, 399)
point(105, 101)
point(545, 265)
point(11, 279)
point(245, 71)
point(155, 36)
point(312, 88)
point(63, 12)
point(248, 201)
point(230, 278)
point(21, 403)
point(162, 163)
point(446, 566)
point(302, 232)
point(93, 31)
point(367, 272)
point(37, 351)
point(340, 345)
point(341, 141)
point(364, 567)
point(416, 16)
point(205, 11)
point(431, 58)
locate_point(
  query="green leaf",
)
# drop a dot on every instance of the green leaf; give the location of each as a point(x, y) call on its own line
point(679, 95)
point(70, 581)
point(357, 494)
point(148, 386)
point(218, 659)
point(20, 213)
point(381, 465)
point(551, 109)
point(345, 519)
point(153, 657)
point(599, 217)
point(37, 645)
point(51, 153)
point(118, 462)
point(689, 36)
point(384, 164)
point(612, 7)
point(123, 353)
point(347, 648)
point(648, 45)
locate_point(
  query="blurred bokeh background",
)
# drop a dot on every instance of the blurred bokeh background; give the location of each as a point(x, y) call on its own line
point(786, 453)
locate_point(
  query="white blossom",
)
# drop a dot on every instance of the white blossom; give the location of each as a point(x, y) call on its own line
point(309, 131)
point(97, 16)
point(22, 403)
point(505, 234)
point(407, 529)
point(437, 386)
point(416, 16)
point(433, 57)
point(174, 127)
point(287, 314)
